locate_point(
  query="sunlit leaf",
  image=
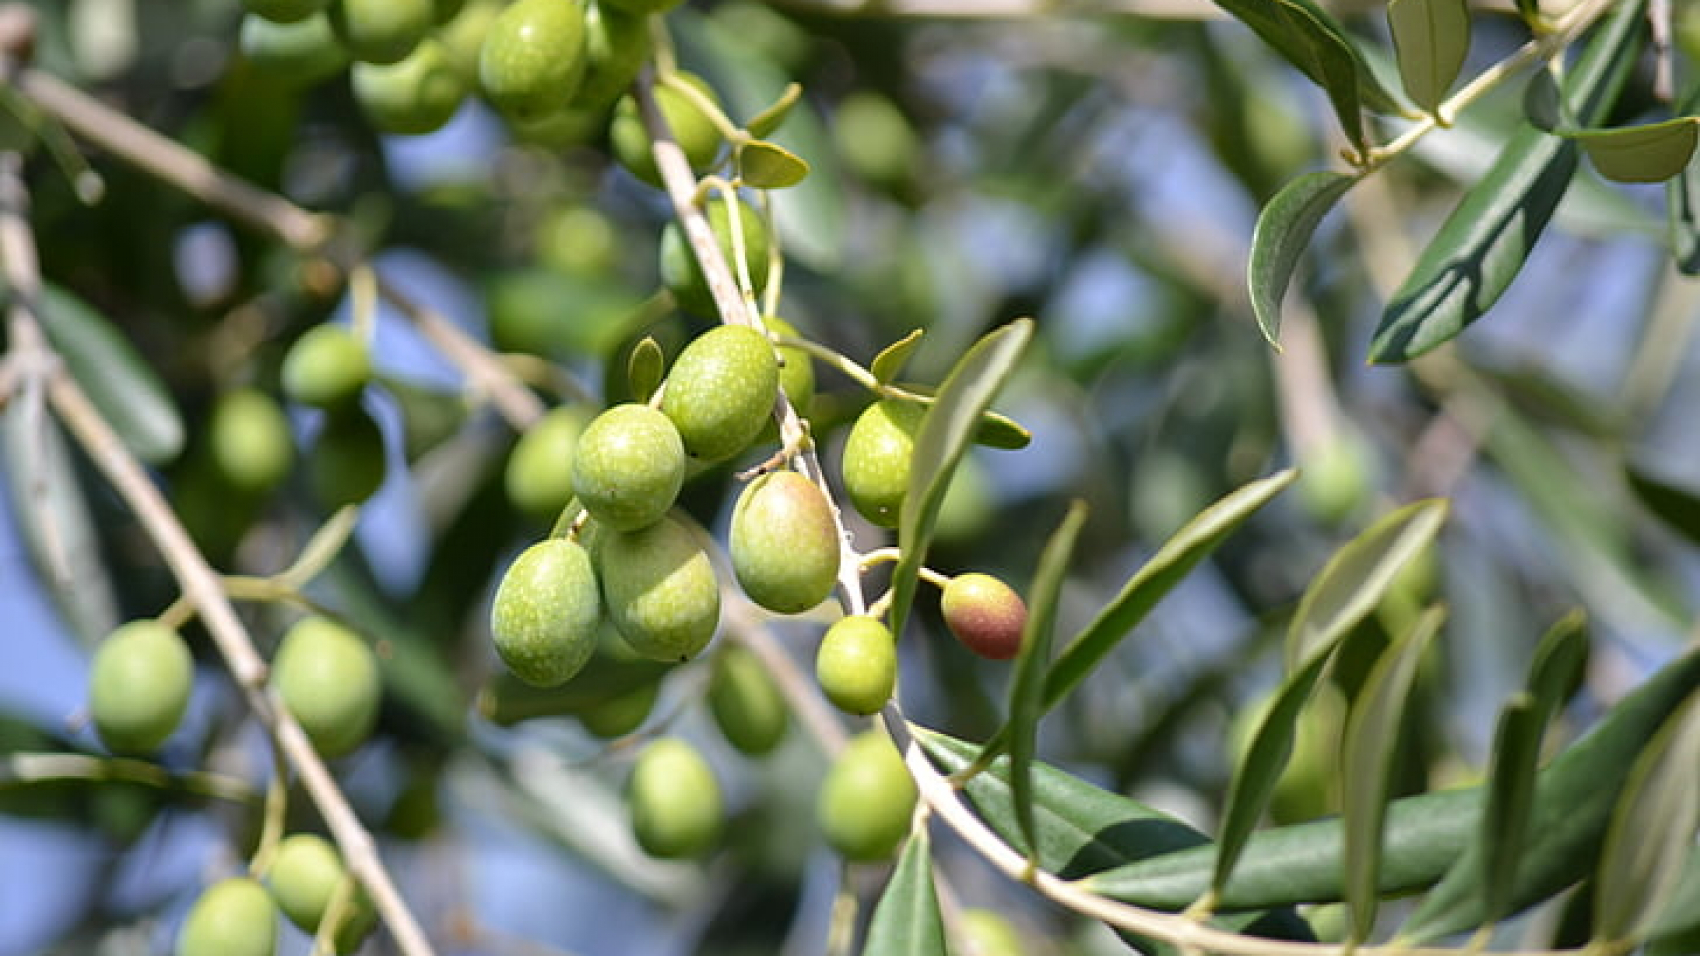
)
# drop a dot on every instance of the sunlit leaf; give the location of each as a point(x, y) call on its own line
point(765, 165)
point(1283, 230)
point(888, 364)
point(1431, 38)
point(1483, 243)
point(1640, 154)
point(944, 435)
point(906, 921)
point(1367, 763)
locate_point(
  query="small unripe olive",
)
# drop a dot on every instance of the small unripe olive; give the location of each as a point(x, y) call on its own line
point(721, 389)
point(533, 58)
point(644, 6)
point(463, 35)
point(746, 703)
point(628, 467)
point(302, 53)
point(616, 45)
point(346, 465)
point(248, 436)
point(328, 679)
point(692, 129)
point(233, 917)
point(284, 11)
point(856, 664)
point(1335, 478)
point(326, 367)
point(539, 477)
point(878, 455)
point(784, 544)
point(985, 614)
point(139, 686)
point(578, 240)
point(683, 276)
point(875, 139)
point(867, 799)
point(988, 933)
point(675, 801)
point(621, 715)
point(660, 591)
point(382, 31)
point(304, 876)
point(413, 96)
point(544, 616)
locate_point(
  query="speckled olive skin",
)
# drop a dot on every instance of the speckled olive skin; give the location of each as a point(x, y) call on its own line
point(745, 702)
point(695, 133)
point(411, 97)
point(856, 664)
point(233, 917)
point(139, 686)
point(539, 475)
point(533, 58)
point(784, 544)
point(683, 276)
point(328, 679)
point(629, 466)
point(866, 801)
point(382, 31)
point(985, 614)
point(616, 46)
point(721, 390)
point(303, 878)
point(326, 367)
point(877, 458)
point(659, 589)
point(675, 802)
point(544, 617)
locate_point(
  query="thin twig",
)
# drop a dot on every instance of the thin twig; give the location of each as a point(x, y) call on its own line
point(23, 768)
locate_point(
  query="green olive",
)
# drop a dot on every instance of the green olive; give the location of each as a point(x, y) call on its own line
point(875, 139)
point(721, 390)
point(694, 131)
point(746, 703)
point(784, 543)
point(533, 58)
point(796, 366)
point(411, 97)
point(644, 6)
point(675, 801)
point(620, 715)
point(660, 590)
point(988, 933)
point(284, 11)
point(463, 36)
point(327, 367)
point(328, 679)
point(302, 53)
point(628, 467)
point(683, 276)
point(139, 686)
point(304, 876)
point(544, 616)
point(233, 917)
point(382, 31)
point(856, 664)
point(346, 465)
point(616, 48)
point(578, 240)
point(248, 436)
point(985, 614)
point(867, 799)
point(539, 477)
point(877, 457)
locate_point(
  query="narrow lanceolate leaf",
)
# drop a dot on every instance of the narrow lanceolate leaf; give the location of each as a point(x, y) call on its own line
point(1283, 230)
point(1553, 677)
point(1652, 831)
point(906, 921)
point(943, 436)
point(1156, 578)
point(1483, 243)
point(1431, 39)
point(1367, 764)
point(767, 165)
point(1640, 154)
point(1677, 506)
point(888, 364)
point(1429, 837)
point(1356, 578)
point(117, 379)
point(1027, 687)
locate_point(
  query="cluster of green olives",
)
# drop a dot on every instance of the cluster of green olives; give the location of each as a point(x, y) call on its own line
point(328, 368)
point(237, 916)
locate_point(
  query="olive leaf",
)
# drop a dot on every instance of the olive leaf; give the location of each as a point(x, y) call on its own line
point(906, 920)
point(1430, 39)
point(1651, 153)
point(770, 119)
point(1284, 228)
point(765, 165)
point(645, 368)
point(888, 364)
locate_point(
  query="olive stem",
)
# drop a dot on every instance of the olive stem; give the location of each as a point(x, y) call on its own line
point(25, 768)
point(199, 582)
